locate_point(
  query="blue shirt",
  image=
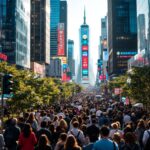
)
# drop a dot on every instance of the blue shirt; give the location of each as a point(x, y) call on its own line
point(105, 144)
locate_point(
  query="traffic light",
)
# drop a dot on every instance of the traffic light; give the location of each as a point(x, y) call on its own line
point(7, 84)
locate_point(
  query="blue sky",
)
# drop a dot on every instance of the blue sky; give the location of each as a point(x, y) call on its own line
point(95, 10)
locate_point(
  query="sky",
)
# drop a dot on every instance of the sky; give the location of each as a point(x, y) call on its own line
point(95, 10)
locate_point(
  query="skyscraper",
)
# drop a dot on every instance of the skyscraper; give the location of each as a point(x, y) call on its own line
point(122, 34)
point(70, 57)
point(40, 31)
point(84, 51)
point(63, 19)
point(54, 20)
point(143, 16)
point(15, 30)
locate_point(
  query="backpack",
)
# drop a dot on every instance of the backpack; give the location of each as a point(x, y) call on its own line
point(77, 138)
point(147, 145)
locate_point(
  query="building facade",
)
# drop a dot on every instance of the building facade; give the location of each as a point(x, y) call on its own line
point(143, 19)
point(122, 34)
point(40, 31)
point(15, 31)
point(70, 57)
point(84, 51)
point(54, 20)
point(63, 19)
point(143, 23)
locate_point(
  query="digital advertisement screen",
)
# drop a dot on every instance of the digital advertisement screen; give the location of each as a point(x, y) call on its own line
point(84, 47)
point(61, 40)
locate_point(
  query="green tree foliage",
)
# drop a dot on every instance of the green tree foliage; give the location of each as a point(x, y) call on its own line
point(29, 90)
point(139, 88)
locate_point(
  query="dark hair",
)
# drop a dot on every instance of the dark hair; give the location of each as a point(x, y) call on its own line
point(43, 124)
point(43, 141)
point(27, 130)
point(63, 136)
point(76, 124)
point(129, 137)
point(70, 143)
point(104, 131)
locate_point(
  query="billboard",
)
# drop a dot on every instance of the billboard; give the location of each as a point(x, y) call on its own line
point(85, 47)
point(84, 62)
point(61, 40)
point(3, 57)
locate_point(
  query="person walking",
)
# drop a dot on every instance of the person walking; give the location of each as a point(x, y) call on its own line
point(11, 135)
point(105, 143)
point(27, 138)
point(71, 143)
point(43, 143)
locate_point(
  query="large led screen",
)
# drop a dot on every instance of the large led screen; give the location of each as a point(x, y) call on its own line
point(61, 40)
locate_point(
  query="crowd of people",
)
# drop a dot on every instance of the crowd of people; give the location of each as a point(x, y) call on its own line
point(84, 122)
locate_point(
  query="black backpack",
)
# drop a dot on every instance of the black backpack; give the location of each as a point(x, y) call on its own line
point(147, 145)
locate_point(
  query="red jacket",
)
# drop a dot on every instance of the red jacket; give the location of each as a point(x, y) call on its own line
point(27, 143)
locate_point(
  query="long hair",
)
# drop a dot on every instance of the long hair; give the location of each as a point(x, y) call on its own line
point(70, 143)
point(43, 141)
point(63, 124)
point(27, 130)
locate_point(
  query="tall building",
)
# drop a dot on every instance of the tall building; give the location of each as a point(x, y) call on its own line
point(40, 31)
point(15, 31)
point(70, 57)
point(143, 23)
point(84, 51)
point(54, 20)
point(143, 16)
point(122, 34)
point(103, 58)
point(63, 19)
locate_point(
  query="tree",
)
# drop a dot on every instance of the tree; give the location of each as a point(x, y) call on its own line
point(139, 88)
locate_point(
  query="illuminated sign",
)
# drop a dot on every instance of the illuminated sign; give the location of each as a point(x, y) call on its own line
point(85, 53)
point(102, 77)
point(84, 62)
point(84, 42)
point(84, 36)
point(3, 57)
point(61, 40)
point(85, 48)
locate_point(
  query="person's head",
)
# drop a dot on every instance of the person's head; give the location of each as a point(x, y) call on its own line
point(70, 142)
point(44, 124)
point(93, 121)
point(31, 117)
point(117, 137)
point(148, 124)
point(114, 125)
point(14, 121)
point(55, 118)
point(129, 138)
point(75, 124)
point(27, 130)
point(141, 124)
point(63, 124)
point(63, 137)
point(43, 141)
point(104, 131)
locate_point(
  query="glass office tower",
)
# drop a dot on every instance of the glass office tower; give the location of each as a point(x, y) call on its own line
point(122, 34)
point(54, 20)
point(15, 27)
point(40, 31)
point(143, 20)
